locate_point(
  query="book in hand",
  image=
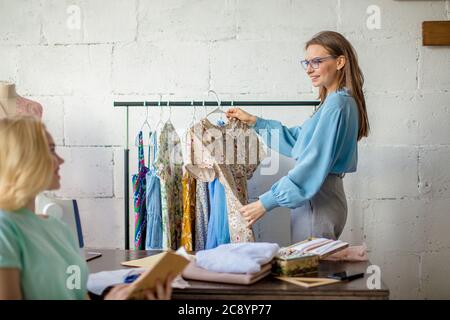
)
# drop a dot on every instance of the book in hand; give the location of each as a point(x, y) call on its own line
point(321, 247)
point(161, 266)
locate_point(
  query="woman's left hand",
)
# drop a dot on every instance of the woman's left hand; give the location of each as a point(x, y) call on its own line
point(252, 212)
point(162, 291)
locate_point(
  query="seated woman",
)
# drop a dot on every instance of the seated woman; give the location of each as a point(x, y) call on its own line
point(38, 254)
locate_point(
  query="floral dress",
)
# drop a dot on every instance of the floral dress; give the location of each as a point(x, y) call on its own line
point(230, 153)
point(169, 166)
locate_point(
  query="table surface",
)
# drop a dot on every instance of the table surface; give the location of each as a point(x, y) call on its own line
point(267, 288)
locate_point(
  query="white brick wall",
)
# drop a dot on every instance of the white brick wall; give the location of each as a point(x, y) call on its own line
point(134, 50)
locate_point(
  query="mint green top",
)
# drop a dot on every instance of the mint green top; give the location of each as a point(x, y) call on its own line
point(46, 253)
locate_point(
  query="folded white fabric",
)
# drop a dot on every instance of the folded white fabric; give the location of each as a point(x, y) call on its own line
point(237, 257)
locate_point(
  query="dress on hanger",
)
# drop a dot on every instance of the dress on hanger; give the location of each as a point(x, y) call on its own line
point(170, 170)
point(218, 230)
point(139, 203)
point(202, 209)
point(153, 202)
point(230, 153)
point(187, 225)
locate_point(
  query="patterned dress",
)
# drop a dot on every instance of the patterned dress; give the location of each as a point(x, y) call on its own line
point(170, 170)
point(187, 225)
point(139, 196)
point(202, 209)
point(230, 153)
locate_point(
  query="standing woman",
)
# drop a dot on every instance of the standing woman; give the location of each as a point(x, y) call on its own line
point(324, 147)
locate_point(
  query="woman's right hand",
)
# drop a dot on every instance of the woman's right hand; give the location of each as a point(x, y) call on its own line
point(241, 115)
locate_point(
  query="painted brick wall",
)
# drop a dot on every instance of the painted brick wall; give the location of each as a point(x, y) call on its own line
point(130, 49)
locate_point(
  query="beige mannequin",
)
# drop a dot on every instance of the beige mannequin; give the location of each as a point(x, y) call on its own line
point(8, 99)
point(11, 103)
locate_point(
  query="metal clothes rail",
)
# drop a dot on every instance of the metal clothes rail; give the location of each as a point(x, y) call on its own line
point(202, 103)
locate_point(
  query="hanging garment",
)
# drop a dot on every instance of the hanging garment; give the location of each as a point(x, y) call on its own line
point(202, 208)
point(218, 230)
point(139, 190)
point(230, 153)
point(164, 215)
point(170, 170)
point(153, 202)
point(187, 225)
point(29, 107)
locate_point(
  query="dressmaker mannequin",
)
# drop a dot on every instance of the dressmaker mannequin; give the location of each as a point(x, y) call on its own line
point(8, 99)
point(11, 103)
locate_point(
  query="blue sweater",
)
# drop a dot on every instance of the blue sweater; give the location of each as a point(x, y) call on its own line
point(326, 143)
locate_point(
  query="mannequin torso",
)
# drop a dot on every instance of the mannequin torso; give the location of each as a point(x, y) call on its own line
point(8, 99)
point(11, 103)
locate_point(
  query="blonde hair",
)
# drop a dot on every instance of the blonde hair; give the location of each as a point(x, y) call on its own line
point(26, 164)
point(350, 77)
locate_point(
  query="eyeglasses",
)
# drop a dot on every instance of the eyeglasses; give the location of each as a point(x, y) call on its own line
point(314, 62)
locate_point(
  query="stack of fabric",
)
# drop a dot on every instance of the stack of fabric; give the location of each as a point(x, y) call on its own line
point(238, 263)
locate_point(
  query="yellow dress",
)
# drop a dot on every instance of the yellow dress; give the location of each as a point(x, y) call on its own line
point(187, 225)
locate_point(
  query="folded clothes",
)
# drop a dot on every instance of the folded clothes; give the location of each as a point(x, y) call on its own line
point(237, 257)
point(194, 272)
point(355, 253)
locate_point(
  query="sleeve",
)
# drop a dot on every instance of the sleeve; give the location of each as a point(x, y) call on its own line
point(313, 165)
point(9, 245)
point(287, 136)
point(256, 153)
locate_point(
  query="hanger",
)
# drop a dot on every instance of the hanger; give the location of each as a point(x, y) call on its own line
point(170, 112)
point(184, 137)
point(146, 123)
point(219, 105)
point(194, 116)
point(206, 108)
point(160, 114)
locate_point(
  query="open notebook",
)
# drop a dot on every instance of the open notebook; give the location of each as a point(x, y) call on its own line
point(319, 246)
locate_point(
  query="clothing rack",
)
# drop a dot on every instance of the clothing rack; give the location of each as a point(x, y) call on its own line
point(133, 104)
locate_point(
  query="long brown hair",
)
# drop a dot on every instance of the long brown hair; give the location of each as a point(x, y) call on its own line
point(350, 76)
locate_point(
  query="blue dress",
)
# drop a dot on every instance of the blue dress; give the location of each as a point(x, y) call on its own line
point(218, 230)
point(153, 204)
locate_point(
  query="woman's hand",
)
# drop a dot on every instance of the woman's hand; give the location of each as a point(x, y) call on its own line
point(241, 115)
point(161, 291)
point(252, 212)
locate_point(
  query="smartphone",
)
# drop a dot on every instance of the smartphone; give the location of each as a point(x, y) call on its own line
point(344, 276)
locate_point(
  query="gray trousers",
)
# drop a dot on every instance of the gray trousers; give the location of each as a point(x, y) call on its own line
point(324, 215)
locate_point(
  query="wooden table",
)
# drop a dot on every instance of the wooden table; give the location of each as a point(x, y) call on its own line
point(267, 288)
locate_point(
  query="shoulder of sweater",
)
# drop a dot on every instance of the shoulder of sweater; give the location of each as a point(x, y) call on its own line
point(338, 102)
